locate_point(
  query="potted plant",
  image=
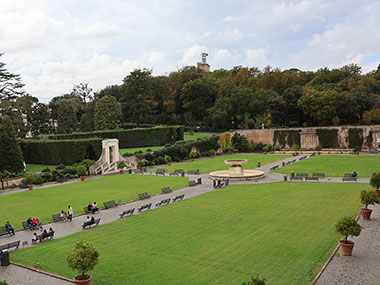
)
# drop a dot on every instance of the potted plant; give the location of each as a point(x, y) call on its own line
point(357, 149)
point(375, 183)
point(121, 164)
point(81, 171)
point(140, 165)
point(347, 226)
point(83, 258)
point(318, 148)
point(192, 155)
point(29, 181)
point(368, 198)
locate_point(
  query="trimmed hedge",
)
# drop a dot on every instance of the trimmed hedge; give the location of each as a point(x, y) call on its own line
point(355, 137)
point(328, 138)
point(62, 151)
point(181, 149)
point(131, 138)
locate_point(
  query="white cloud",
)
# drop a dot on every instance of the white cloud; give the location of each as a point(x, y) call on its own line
point(192, 54)
point(257, 57)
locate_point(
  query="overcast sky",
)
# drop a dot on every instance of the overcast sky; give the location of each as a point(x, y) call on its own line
point(56, 44)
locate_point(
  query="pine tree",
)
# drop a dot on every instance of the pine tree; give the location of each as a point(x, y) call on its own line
point(11, 158)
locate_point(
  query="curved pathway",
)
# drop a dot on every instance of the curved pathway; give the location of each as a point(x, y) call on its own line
point(15, 274)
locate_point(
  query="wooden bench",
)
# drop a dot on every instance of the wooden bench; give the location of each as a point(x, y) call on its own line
point(302, 175)
point(160, 172)
point(3, 231)
point(138, 171)
point(311, 178)
point(86, 211)
point(180, 172)
point(346, 175)
point(48, 236)
point(166, 190)
point(196, 171)
point(173, 174)
point(296, 178)
point(89, 224)
point(178, 198)
point(26, 227)
point(110, 204)
point(192, 183)
point(7, 246)
point(144, 195)
point(57, 217)
point(319, 175)
point(144, 207)
point(163, 202)
point(349, 179)
point(127, 213)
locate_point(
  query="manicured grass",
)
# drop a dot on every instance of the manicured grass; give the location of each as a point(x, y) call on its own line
point(38, 167)
point(278, 230)
point(187, 137)
point(336, 165)
point(206, 165)
point(42, 203)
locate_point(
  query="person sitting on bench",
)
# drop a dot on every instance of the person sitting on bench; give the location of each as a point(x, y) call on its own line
point(30, 223)
point(92, 221)
point(35, 222)
point(354, 175)
point(9, 228)
point(34, 238)
point(87, 221)
point(63, 216)
point(44, 234)
point(94, 208)
point(89, 207)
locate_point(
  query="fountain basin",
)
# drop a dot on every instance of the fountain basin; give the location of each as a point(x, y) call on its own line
point(246, 175)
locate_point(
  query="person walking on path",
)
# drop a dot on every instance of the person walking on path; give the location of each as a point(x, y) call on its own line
point(70, 213)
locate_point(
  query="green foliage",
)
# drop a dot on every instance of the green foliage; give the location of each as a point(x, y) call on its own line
point(121, 164)
point(107, 114)
point(255, 280)
point(318, 148)
point(81, 170)
point(372, 116)
point(60, 166)
point(67, 120)
point(369, 140)
point(355, 137)
point(10, 153)
point(132, 138)
point(291, 137)
point(368, 198)
point(328, 138)
point(38, 180)
point(225, 141)
point(83, 257)
point(60, 151)
point(348, 226)
point(46, 169)
point(28, 180)
point(375, 181)
point(296, 147)
point(193, 154)
point(239, 142)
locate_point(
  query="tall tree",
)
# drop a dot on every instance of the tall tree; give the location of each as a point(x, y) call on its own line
point(10, 84)
point(10, 153)
point(38, 119)
point(67, 119)
point(107, 114)
point(83, 92)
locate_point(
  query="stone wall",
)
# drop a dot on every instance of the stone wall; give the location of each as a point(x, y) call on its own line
point(309, 138)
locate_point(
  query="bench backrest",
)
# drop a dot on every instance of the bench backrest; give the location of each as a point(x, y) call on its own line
point(312, 178)
point(319, 175)
point(166, 190)
point(25, 225)
point(56, 217)
point(144, 195)
point(192, 183)
point(302, 175)
point(348, 175)
point(179, 171)
point(109, 204)
point(3, 230)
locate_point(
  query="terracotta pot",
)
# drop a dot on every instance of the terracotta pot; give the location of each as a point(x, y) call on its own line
point(346, 248)
point(378, 193)
point(169, 163)
point(121, 171)
point(366, 213)
point(211, 155)
point(319, 153)
point(141, 169)
point(30, 186)
point(81, 178)
point(192, 159)
point(82, 282)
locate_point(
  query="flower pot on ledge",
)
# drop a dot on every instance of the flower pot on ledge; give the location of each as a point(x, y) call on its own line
point(121, 171)
point(30, 186)
point(169, 163)
point(346, 248)
point(82, 178)
point(79, 281)
point(192, 159)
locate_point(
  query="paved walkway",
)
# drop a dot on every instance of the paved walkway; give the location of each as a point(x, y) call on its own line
point(18, 275)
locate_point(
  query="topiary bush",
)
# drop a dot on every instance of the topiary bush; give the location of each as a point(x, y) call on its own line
point(83, 258)
point(81, 170)
point(368, 198)
point(38, 180)
point(375, 181)
point(348, 226)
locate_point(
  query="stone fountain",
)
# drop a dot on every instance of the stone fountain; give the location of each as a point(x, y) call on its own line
point(236, 171)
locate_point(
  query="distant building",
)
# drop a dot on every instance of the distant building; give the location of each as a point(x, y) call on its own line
point(204, 65)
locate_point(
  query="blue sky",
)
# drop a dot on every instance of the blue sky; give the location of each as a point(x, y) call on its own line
point(56, 44)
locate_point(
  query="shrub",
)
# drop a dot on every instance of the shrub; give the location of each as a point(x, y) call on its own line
point(193, 154)
point(348, 226)
point(225, 141)
point(69, 170)
point(168, 158)
point(121, 164)
point(83, 257)
point(38, 180)
point(296, 147)
point(277, 148)
point(47, 169)
point(240, 142)
point(375, 181)
point(355, 138)
point(46, 176)
point(255, 280)
point(60, 167)
point(159, 160)
point(368, 198)
point(318, 148)
point(357, 148)
point(81, 170)
point(28, 180)
point(328, 137)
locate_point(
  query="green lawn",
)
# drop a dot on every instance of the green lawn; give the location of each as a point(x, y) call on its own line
point(336, 165)
point(38, 167)
point(280, 230)
point(187, 137)
point(42, 203)
point(206, 165)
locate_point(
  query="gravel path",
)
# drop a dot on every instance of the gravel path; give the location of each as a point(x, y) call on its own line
point(15, 274)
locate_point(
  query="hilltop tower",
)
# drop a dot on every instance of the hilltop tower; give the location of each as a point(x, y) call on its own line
point(204, 65)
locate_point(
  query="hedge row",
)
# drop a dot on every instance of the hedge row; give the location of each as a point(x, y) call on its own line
point(62, 151)
point(328, 138)
point(181, 149)
point(355, 137)
point(131, 138)
point(289, 137)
